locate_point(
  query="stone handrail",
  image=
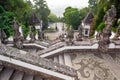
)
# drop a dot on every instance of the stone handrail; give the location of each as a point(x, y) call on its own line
point(51, 48)
point(40, 43)
point(36, 60)
point(48, 44)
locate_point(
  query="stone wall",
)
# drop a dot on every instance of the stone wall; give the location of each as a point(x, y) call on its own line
point(91, 66)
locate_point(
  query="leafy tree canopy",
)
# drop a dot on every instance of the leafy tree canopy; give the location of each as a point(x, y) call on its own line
point(42, 11)
point(53, 18)
point(10, 9)
point(99, 7)
point(72, 17)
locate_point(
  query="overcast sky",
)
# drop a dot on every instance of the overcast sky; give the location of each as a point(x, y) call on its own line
point(58, 6)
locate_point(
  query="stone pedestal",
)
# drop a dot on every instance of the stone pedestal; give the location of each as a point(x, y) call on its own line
point(61, 59)
point(67, 59)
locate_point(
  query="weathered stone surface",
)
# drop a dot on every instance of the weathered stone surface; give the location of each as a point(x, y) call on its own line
point(109, 18)
point(36, 60)
point(92, 67)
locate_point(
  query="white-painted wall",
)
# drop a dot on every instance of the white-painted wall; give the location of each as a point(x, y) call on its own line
point(84, 29)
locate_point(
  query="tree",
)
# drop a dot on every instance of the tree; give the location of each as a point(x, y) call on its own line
point(18, 7)
point(83, 13)
point(93, 5)
point(14, 8)
point(53, 18)
point(100, 7)
point(72, 17)
point(42, 11)
point(6, 21)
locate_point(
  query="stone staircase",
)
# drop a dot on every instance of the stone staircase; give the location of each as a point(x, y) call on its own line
point(52, 48)
point(7, 73)
point(34, 60)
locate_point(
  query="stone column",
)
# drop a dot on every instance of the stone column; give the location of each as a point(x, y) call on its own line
point(67, 59)
point(61, 59)
point(56, 59)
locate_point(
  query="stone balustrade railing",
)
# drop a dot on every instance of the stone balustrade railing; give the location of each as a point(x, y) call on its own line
point(36, 60)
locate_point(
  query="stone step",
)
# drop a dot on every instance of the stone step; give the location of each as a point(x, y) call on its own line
point(6, 74)
point(28, 77)
point(17, 75)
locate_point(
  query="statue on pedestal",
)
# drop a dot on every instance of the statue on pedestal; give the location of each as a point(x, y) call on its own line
point(79, 36)
point(18, 39)
point(35, 24)
point(32, 34)
point(40, 32)
point(70, 36)
point(3, 37)
point(104, 40)
point(61, 37)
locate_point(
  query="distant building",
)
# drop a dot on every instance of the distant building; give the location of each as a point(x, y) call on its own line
point(35, 21)
point(86, 24)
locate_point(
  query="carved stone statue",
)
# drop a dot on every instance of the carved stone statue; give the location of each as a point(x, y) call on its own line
point(32, 34)
point(61, 37)
point(35, 24)
point(106, 32)
point(3, 37)
point(70, 36)
point(18, 39)
point(79, 36)
point(41, 35)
